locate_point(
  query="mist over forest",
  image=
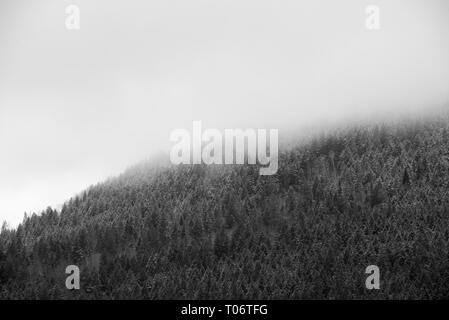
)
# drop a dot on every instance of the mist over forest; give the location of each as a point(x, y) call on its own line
point(94, 94)
point(86, 104)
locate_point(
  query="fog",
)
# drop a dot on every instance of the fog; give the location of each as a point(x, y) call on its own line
point(77, 106)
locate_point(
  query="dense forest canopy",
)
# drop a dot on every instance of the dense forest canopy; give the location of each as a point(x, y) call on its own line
point(338, 203)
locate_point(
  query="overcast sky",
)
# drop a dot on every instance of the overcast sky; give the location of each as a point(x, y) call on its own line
point(78, 106)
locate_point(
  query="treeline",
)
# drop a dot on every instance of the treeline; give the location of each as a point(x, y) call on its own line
point(337, 204)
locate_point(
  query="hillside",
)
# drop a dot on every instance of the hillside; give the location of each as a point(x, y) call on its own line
point(339, 203)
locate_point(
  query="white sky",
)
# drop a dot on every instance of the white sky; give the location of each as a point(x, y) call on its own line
point(79, 106)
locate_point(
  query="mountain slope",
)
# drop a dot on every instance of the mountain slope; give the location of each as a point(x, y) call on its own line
point(338, 204)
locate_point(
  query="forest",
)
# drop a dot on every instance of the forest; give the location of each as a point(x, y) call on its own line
point(354, 197)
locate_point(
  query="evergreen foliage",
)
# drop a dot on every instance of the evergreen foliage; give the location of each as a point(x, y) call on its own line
point(337, 204)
